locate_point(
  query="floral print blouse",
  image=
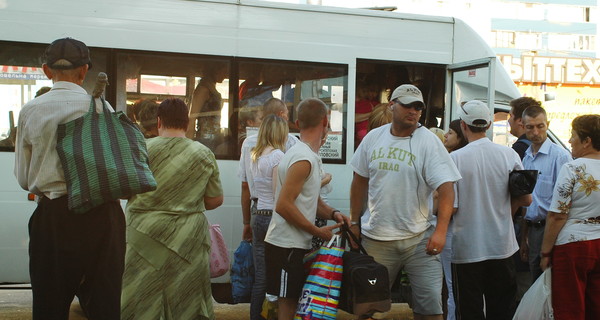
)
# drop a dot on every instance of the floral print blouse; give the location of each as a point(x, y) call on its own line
point(577, 194)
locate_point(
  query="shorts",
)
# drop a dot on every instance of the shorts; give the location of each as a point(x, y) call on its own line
point(424, 271)
point(286, 271)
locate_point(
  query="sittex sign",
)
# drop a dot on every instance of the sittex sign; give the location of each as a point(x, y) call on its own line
point(552, 69)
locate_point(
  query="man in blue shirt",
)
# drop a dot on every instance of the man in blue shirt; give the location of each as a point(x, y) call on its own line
point(547, 158)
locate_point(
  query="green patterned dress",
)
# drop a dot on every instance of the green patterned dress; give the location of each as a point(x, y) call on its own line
point(168, 244)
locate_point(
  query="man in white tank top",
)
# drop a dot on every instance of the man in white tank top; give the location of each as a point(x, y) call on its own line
point(297, 204)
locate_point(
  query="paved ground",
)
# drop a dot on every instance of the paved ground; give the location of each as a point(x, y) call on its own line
point(15, 304)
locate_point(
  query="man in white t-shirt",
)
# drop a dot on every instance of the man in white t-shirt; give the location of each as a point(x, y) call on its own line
point(255, 226)
point(396, 168)
point(297, 205)
point(483, 234)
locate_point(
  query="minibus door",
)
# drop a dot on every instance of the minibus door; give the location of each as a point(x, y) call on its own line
point(471, 80)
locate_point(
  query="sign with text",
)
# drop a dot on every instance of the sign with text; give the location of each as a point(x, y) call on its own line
point(552, 69)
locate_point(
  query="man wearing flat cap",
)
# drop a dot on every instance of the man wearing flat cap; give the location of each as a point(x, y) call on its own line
point(397, 167)
point(483, 238)
point(69, 253)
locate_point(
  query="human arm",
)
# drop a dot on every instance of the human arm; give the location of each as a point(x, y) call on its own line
point(286, 207)
point(211, 203)
point(520, 201)
point(524, 246)
point(445, 209)
point(358, 199)
point(554, 223)
point(199, 98)
point(23, 151)
point(246, 215)
point(213, 192)
point(327, 212)
point(326, 179)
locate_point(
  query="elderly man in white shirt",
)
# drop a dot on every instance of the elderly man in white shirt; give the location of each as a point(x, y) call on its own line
point(69, 253)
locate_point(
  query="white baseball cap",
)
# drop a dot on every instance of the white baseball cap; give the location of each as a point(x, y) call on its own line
point(475, 113)
point(407, 94)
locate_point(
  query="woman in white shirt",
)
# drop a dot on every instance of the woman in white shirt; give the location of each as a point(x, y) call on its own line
point(266, 155)
point(572, 236)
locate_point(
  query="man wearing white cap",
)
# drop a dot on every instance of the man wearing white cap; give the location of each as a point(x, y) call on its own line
point(483, 234)
point(396, 169)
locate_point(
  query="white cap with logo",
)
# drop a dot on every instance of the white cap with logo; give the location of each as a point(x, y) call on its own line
point(407, 94)
point(475, 113)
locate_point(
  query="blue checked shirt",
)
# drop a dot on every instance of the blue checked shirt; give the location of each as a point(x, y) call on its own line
point(548, 162)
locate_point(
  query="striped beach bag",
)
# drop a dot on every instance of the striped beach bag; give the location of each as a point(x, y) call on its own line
point(104, 158)
point(321, 291)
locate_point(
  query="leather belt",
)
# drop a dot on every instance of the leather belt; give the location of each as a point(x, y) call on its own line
point(264, 212)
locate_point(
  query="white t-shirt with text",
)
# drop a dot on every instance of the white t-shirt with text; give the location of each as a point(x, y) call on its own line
point(403, 172)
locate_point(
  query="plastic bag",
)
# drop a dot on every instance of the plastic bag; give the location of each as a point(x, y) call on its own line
point(321, 291)
point(242, 273)
point(219, 256)
point(270, 308)
point(537, 301)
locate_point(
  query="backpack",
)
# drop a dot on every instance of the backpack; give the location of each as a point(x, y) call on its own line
point(365, 285)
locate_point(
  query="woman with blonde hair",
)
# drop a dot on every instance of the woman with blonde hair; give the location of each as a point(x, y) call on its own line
point(266, 155)
point(380, 115)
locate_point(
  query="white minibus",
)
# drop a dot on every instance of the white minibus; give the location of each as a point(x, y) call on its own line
point(153, 49)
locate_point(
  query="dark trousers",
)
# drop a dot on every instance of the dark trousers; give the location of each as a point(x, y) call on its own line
point(76, 254)
point(492, 280)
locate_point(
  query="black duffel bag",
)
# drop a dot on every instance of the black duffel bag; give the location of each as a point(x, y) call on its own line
point(365, 283)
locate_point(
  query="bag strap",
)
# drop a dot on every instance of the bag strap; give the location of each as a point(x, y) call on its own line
point(335, 240)
point(347, 235)
point(92, 109)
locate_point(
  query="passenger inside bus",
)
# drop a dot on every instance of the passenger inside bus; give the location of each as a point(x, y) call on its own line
point(206, 107)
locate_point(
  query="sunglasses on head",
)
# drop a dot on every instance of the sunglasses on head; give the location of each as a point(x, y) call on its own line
point(416, 106)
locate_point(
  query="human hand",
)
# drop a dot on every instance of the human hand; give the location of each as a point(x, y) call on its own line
point(436, 243)
point(341, 218)
point(247, 233)
point(545, 263)
point(326, 179)
point(326, 232)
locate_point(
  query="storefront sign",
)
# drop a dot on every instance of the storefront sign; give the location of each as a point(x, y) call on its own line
point(552, 69)
point(21, 73)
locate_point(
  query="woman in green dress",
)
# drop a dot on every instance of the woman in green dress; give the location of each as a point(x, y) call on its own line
point(168, 244)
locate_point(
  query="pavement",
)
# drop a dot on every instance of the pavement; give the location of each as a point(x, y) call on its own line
point(15, 304)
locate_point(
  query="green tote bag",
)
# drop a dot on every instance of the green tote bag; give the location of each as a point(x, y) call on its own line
point(104, 158)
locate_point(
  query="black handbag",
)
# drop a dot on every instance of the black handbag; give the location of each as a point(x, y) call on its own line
point(522, 182)
point(365, 282)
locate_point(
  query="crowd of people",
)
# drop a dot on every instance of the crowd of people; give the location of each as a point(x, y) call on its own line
point(431, 204)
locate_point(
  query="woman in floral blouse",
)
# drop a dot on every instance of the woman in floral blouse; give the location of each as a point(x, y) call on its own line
point(572, 235)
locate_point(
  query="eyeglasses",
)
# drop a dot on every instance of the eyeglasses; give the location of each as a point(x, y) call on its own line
point(417, 107)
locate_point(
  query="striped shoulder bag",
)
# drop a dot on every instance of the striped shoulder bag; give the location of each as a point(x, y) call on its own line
point(104, 158)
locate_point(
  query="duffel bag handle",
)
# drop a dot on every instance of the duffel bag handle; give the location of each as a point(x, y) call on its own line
point(347, 235)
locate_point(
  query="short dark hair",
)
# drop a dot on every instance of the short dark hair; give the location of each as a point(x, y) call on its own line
point(588, 125)
point(311, 112)
point(520, 104)
point(273, 106)
point(173, 113)
point(477, 129)
point(534, 111)
point(455, 126)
